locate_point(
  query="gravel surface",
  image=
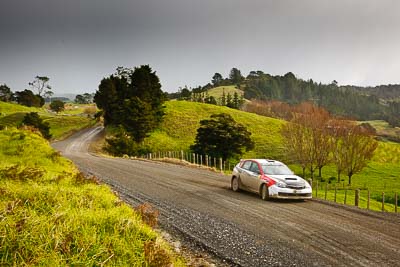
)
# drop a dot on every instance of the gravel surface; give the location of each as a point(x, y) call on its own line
point(239, 229)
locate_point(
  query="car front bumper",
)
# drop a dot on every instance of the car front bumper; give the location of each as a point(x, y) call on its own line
point(288, 193)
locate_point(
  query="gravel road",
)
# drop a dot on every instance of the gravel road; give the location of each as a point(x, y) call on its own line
point(239, 229)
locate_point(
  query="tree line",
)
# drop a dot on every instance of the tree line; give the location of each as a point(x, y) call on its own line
point(339, 100)
point(360, 103)
point(313, 139)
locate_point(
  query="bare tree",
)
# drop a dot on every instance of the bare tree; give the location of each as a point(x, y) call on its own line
point(357, 147)
point(338, 128)
point(296, 143)
point(309, 124)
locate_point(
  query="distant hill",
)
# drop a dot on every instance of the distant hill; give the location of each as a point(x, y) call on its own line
point(69, 96)
point(386, 92)
point(359, 103)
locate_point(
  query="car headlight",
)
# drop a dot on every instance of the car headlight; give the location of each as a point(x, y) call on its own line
point(281, 184)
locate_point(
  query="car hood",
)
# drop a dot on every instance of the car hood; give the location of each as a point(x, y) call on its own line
point(288, 179)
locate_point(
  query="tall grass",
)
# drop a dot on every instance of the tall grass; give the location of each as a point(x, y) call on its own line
point(50, 215)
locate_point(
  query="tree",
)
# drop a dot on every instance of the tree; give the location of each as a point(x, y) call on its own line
point(355, 146)
point(79, 99)
point(29, 99)
point(296, 140)
point(41, 84)
point(229, 101)
point(57, 105)
point(33, 119)
point(86, 98)
point(185, 94)
point(210, 100)
point(217, 79)
point(235, 76)
point(307, 139)
point(5, 93)
point(132, 99)
point(221, 137)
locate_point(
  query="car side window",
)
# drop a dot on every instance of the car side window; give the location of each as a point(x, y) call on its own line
point(254, 168)
point(246, 165)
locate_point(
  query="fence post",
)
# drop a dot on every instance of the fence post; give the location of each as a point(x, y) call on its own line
point(335, 192)
point(345, 196)
point(383, 201)
point(395, 202)
point(316, 191)
point(194, 158)
point(150, 156)
point(326, 190)
point(356, 197)
point(206, 157)
point(220, 164)
point(215, 163)
point(201, 159)
point(368, 199)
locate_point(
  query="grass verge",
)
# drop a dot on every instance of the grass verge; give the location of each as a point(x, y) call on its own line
point(51, 215)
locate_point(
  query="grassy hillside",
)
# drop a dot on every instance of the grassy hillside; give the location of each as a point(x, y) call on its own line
point(52, 216)
point(10, 108)
point(182, 119)
point(217, 91)
point(384, 130)
point(61, 125)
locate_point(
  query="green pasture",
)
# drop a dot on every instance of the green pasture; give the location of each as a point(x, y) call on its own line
point(10, 108)
point(182, 119)
point(60, 125)
point(228, 89)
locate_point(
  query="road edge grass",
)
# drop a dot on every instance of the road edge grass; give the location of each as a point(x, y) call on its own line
point(50, 214)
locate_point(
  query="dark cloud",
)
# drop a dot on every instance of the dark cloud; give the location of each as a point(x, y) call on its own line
point(77, 42)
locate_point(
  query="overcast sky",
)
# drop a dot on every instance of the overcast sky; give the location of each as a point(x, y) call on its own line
point(78, 42)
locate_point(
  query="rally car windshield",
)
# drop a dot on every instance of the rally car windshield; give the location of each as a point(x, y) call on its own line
point(276, 170)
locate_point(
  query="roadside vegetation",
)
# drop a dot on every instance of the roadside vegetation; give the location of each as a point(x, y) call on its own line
point(51, 215)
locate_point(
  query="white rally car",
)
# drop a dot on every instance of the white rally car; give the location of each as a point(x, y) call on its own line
point(270, 179)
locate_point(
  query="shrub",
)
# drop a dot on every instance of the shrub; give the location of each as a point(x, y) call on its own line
point(57, 105)
point(33, 119)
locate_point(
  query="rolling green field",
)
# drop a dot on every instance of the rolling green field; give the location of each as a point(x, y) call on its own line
point(182, 119)
point(61, 125)
point(50, 215)
point(228, 89)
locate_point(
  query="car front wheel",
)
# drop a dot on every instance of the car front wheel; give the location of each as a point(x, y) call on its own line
point(264, 192)
point(235, 184)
